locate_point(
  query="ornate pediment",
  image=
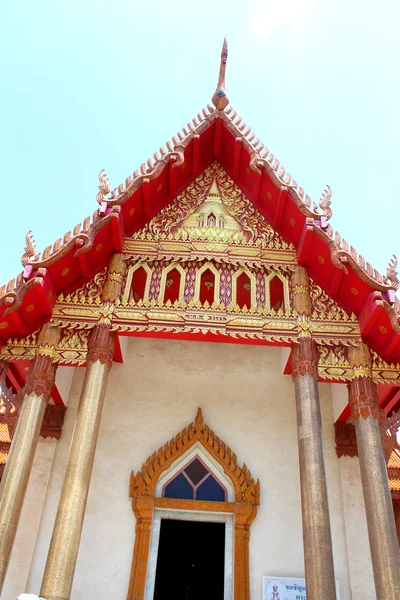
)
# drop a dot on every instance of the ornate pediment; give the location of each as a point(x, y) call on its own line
point(212, 209)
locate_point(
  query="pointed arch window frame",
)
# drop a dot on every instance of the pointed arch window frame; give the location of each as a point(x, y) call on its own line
point(253, 286)
point(217, 281)
point(145, 502)
point(163, 282)
point(129, 280)
point(286, 294)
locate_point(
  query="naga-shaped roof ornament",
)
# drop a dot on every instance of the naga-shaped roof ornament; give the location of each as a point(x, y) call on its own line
point(392, 273)
point(390, 428)
point(104, 187)
point(29, 254)
point(325, 203)
point(220, 99)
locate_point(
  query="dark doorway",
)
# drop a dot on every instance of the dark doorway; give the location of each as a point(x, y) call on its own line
point(190, 563)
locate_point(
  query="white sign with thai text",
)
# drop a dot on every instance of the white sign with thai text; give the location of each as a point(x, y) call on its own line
point(286, 588)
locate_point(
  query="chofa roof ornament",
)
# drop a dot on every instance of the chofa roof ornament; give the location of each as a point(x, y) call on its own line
point(325, 203)
point(392, 273)
point(104, 188)
point(29, 254)
point(220, 99)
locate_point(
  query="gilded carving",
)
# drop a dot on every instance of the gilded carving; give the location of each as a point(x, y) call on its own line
point(167, 224)
point(113, 285)
point(301, 291)
point(92, 288)
point(361, 360)
point(324, 307)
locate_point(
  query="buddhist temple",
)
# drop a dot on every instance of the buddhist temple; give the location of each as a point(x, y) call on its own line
point(200, 390)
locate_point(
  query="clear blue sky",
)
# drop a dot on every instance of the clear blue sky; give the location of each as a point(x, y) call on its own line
point(92, 84)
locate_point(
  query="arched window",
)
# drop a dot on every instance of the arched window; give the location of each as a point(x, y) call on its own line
point(195, 482)
point(207, 287)
point(139, 279)
point(172, 285)
point(276, 293)
point(211, 220)
point(243, 291)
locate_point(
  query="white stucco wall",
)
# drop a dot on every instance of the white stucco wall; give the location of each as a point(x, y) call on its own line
point(250, 405)
point(356, 530)
point(54, 487)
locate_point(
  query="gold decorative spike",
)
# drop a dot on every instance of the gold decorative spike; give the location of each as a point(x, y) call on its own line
point(220, 99)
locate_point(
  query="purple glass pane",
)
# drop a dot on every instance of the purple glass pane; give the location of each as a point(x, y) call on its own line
point(196, 471)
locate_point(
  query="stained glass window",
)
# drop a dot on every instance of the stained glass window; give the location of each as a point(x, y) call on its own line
point(195, 482)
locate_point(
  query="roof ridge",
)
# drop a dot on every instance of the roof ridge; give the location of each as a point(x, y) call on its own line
point(343, 252)
point(261, 158)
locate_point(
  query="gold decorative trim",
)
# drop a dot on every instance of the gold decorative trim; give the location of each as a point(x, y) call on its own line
point(217, 285)
point(286, 294)
point(129, 278)
point(182, 272)
point(253, 286)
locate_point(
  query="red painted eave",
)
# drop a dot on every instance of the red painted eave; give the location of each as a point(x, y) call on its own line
point(216, 137)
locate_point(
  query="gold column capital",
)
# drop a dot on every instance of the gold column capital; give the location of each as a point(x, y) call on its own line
point(42, 370)
point(102, 339)
point(363, 396)
point(101, 345)
point(304, 357)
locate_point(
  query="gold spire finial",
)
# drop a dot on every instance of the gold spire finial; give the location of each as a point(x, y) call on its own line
point(220, 99)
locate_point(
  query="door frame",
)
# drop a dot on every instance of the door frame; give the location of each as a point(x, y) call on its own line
point(190, 515)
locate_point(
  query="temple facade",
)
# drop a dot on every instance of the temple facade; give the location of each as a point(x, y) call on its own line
point(200, 391)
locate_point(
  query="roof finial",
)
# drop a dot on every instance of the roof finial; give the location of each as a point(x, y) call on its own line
point(220, 99)
point(30, 250)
